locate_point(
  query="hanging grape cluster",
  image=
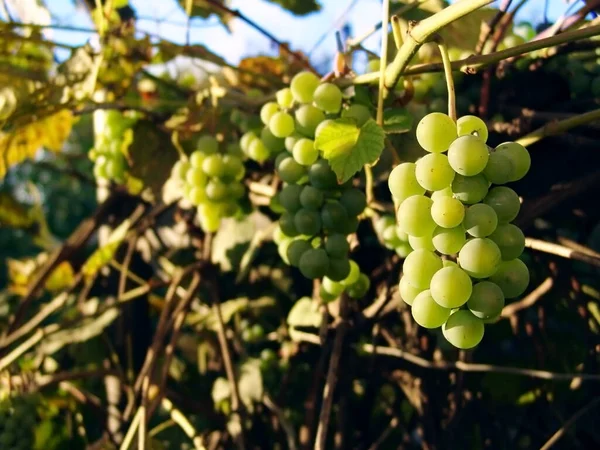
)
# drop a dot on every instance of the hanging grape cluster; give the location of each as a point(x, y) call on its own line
point(448, 205)
point(211, 181)
point(18, 418)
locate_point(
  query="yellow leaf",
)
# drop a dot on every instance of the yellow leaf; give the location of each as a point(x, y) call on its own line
point(60, 278)
point(105, 254)
point(13, 214)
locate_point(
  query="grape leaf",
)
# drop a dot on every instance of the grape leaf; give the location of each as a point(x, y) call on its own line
point(200, 8)
point(299, 7)
point(304, 313)
point(106, 253)
point(348, 148)
point(397, 121)
point(250, 383)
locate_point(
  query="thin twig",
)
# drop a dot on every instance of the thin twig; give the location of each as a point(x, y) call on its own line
point(448, 75)
point(554, 128)
point(135, 423)
point(528, 301)
point(385, 13)
point(562, 430)
point(488, 28)
point(561, 250)
point(290, 434)
point(186, 426)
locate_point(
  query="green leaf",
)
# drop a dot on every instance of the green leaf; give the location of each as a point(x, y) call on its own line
point(304, 313)
point(250, 383)
point(221, 390)
point(348, 148)
point(298, 7)
point(200, 8)
point(397, 121)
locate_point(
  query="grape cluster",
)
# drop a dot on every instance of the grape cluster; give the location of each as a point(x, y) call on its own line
point(391, 237)
point(211, 181)
point(111, 142)
point(18, 418)
point(463, 215)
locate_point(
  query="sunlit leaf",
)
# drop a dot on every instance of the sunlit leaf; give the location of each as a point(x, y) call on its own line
point(299, 7)
point(12, 213)
point(106, 253)
point(304, 313)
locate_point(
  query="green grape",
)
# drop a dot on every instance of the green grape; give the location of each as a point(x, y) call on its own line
point(512, 277)
point(234, 149)
point(427, 312)
point(384, 222)
point(229, 207)
point(408, 292)
point(281, 125)
point(209, 217)
point(519, 156)
point(360, 287)
point(353, 275)
point(311, 197)
point(196, 159)
point(275, 205)
point(449, 241)
point(196, 177)
point(185, 190)
point(435, 132)
point(468, 155)
point(391, 238)
point(207, 145)
point(290, 171)
point(510, 240)
point(287, 224)
point(246, 140)
point(414, 216)
point(499, 168)
point(289, 197)
point(272, 142)
point(304, 152)
point(337, 245)
point(258, 151)
point(307, 222)
point(354, 200)
point(267, 111)
point(326, 296)
point(314, 263)
point(291, 140)
point(332, 287)
point(282, 249)
point(328, 97)
point(236, 190)
point(333, 215)
point(285, 98)
point(339, 268)
point(480, 220)
point(321, 176)
point(216, 190)
point(451, 287)
point(296, 249)
point(196, 196)
point(463, 329)
point(280, 157)
point(403, 250)
point(233, 168)
point(303, 86)
point(420, 266)
point(479, 257)
point(470, 190)
point(358, 112)
point(446, 192)
point(486, 301)
point(403, 183)
point(433, 172)
point(447, 212)
point(350, 226)
point(115, 167)
point(448, 263)
point(180, 169)
point(505, 202)
point(308, 118)
point(424, 242)
point(213, 166)
point(472, 125)
point(278, 235)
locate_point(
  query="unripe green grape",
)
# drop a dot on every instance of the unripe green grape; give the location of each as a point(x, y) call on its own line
point(196, 159)
point(207, 145)
point(470, 190)
point(180, 169)
point(246, 140)
point(505, 202)
point(360, 287)
point(284, 97)
point(359, 113)
point(258, 151)
point(234, 149)
point(446, 192)
point(332, 287)
point(433, 172)
point(510, 240)
point(209, 217)
point(337, 245)
point(499, 168)
point(307, 222)
point(350, 226)
point(196, 177)
point(287, 225)
point(420, 266)
point(304, 152)
point(267, 111)
point(116, 166)
point(472, 126)
point(451, 287)
point(233, 168)
point(236, 190)
point(449, 241)
point(427, 312)
point(449, 263)
point(424, 242)
point(339, 268)
point(281, 124)
point(311, 197)
point(289, 197)
point(414, 216)
point(403, 250)
point(321, 176)
point(196, 196)
point(213, 166)
point(390, 237)
point(353, 275)
point(282, 249)
point(303, 86)
point(463, 330)
point(486, 301)
point(468, 155)
point(291, 140)
point(314, 263)
point(326, 296)
point(435, 132)
point(480, 220)
point(273, 143)
point(278, 234)
point(290, 171)
point(408, 292)
point(275, 205)
point(328, 97)
point(333, 215)
point(519, 156)
point(512, 277)
point(447, 212)
point(308, 118)
point(354, 200)
point(296, 249)
point(403, 183)
point(216, 190)
point(480, 257)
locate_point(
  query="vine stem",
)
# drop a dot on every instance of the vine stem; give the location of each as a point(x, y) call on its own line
point(554, 128)
point(448, 75)
point(385, 13)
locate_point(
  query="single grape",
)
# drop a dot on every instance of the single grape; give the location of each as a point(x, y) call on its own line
point(236, 190)
point(435, 132)
point(360, 287)
point(303, 86)
point(207, 145)
point(486, 301)
point(350, 226)
point(180, 169)
point(403, 250)
point(290, 171)
point(296, 249)
point(287, 225)
point(480, 257)
point(472, 125)
point(505, 202)
point(480, 220)
point(427, 312)
point(285, 98)
point(196, 177)
point(446, 192)
point(290, 141)
point(308, 118)
point(289, 197)
point(233, 168)
point(353, 275)
point(209, 217)
point(196, 195)
point(499, 168)
point(326, 296)
point(339, 268)
point(354, 200)
point(246, 140)
point(333, 215)
point(463, 329)
point(451, 287)
point(258, 151)
point(408, 292)
point(281, 124)
point(216, 190)
point(314, 263)
point(510, 240)
point(420, 266)
point(424, 242)
point(403, 183)
point(328, 97)
point(311, 197)
point(468, 155)
point(448, 241)
point(391, 238)
point(304, 152)
point(337, 245)
point(267, 111)
point(470, 190)
point(414, 216)
point(321, 176)
point(332, 287)
point(512, 277)
point(213, 165)
point(307, 222)
point(519, 156)
point(433, 172)
point(273, 143)
point(116, 166)
point(358, 112)
point(447, 212)
point(449, 263)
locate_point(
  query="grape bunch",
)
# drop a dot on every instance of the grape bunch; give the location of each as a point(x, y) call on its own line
point(211, 181)
point(111, 143)
point(448, 205)
point(18, 418)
